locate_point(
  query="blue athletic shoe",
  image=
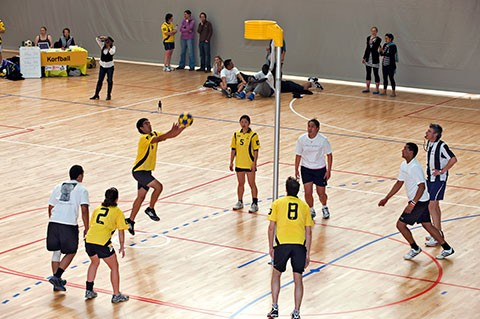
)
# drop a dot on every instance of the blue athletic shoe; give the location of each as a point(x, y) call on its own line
point(251, 96)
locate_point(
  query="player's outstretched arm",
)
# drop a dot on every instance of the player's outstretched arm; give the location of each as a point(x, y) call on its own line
point(174, 131)
point(396, 187)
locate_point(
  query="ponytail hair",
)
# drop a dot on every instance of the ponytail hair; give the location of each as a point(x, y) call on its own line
point(111, 196)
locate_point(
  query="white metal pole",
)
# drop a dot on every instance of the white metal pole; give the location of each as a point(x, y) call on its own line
point(277, 121)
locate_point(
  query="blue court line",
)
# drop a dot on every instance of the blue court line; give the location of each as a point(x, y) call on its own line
point(252, 261)
point(316, 270)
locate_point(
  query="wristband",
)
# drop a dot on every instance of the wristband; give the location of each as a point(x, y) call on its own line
point(411, 203)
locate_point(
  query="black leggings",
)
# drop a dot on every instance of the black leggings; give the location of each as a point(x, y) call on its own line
point(375, 74)
point(101, 76)
point(388, 72)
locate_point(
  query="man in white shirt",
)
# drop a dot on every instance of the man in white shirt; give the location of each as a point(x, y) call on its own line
point(311, 150)
point(416, 211)
point(62, 232)
point(230, 77)
point(439, 161)
point(261, 83)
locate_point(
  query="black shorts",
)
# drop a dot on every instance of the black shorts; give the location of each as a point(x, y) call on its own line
point(169, 45)
point(295, 252)
point(419, 214)
point(62, 237)
point(317, 176)
point(246, 170)
point(233, 87)
point(104, 251)
point(143, 178)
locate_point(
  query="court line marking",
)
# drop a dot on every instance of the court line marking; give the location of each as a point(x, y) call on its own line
point(395, 138)
point(76, 117)
point(317, 270)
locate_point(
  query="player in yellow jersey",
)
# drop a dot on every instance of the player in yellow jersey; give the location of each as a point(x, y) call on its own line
point(2, 30)
point(245, 146)
point(290, 229)
point(143, 167)
point(168, 38)
point(106, 218)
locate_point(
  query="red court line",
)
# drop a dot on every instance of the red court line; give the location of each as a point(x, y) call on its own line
point(444, 120)
point(135, 297)
point(429, 107)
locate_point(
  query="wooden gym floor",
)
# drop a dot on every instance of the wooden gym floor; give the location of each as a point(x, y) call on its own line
point(203, 260)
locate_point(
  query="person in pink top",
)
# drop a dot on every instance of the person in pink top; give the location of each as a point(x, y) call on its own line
point(187, 31)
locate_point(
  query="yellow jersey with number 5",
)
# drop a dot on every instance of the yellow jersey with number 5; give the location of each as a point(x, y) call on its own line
point(103, 223)
point(245, 145)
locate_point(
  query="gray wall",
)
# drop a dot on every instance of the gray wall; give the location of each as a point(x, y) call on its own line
point(438, 40)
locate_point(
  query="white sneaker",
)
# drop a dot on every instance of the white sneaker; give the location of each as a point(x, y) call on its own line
point(325, 212)
point(431, 242)
point(238, 206)
point(445, 253)
point(253, 208)
point(412, 253)
point(313, 212)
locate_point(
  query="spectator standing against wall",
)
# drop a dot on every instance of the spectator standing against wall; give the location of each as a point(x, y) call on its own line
point(187, 36)
point(205, 31)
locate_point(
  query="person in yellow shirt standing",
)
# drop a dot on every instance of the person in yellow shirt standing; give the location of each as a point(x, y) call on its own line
point(143, 167)
point(2, 30)
point(290, 229)
point(168, 38)
point(106, 218)
point(245, 146)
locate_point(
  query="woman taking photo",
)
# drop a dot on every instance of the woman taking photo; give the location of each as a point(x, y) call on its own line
point(106, 66)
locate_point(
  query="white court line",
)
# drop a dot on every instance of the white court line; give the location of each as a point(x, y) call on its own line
point(397, 196)
point(98, 112)
point(366, 133)
point(130, 159)
point(404, 102)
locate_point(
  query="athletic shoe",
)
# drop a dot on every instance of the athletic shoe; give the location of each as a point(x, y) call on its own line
point(238, 206)
point(151, 213)
point(119, 298)
point(57, 283)
point(325, 212)
point(90, 294)
point(412, 253)
point(312, 79)
point(431, 242)
point(251, 96)
point(170, 69)
point(313, 212)
point(131, 225)
point(253, 208)
point(109, 97)
point(445, 253)
point(295, 315)
point(365, 91)
point(428, 238)
point(95, 97)
point(167, 69)
point(376, 92)
point(241, 95)
point(273, 313)
point(180, 68)
point(227, 93)
point(317, 85)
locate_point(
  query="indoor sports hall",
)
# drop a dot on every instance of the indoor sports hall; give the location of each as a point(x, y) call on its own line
point(202, 259)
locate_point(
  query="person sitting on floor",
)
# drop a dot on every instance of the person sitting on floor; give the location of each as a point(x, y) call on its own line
point(230, 77)
point(261, 83)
